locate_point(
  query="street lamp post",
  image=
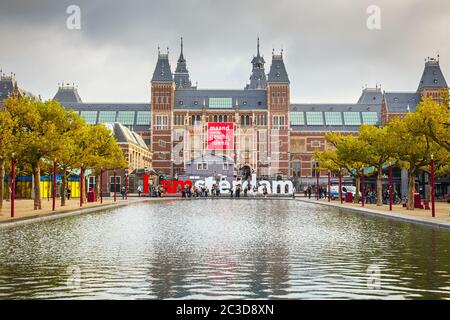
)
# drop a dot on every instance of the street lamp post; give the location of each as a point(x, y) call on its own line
point(390, 186)
point(362, 186)
point(340, 186)
point(54, 187)
point(81, 184)
point(329, 186)
point(433, 209)
point(13, 184)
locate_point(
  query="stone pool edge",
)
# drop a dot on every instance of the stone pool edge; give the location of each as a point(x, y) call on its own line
point(71, 212)
point(392, 216)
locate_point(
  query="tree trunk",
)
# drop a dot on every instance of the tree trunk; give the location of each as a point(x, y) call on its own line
point(63, 187)
point(358, 187)
point(2, 180)
point(37, 186)
point(411, 189)
point(380, 185)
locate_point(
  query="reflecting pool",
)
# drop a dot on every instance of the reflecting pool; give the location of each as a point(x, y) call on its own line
point(224, 249)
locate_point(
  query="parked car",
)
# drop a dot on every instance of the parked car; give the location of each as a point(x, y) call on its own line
point(335, 191)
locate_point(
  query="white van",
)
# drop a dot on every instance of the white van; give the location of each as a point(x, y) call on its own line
point(335, 191)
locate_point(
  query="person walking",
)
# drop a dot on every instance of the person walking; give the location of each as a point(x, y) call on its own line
point(122, 191)
point(68, 192)
point(139, 190)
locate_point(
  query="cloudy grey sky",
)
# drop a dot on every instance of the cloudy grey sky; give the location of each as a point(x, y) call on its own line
point(329, 51)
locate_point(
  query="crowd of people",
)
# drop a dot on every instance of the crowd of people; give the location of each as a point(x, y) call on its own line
point(234, 192)
point(309, 190)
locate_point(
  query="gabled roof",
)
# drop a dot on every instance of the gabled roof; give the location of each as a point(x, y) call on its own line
point(67, 94)
point(277, 71)
point(371, 96)
point(6, 87)
point(401, 102)
point(125, 135)
point(162, 71)
point(432, 76)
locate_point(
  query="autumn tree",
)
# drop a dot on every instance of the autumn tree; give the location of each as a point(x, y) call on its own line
point(38, 129)
point(433, 121)
point(6, 147)
point(414, 150)
point(97, 150)
point(350, 155)
point(68, 157)
point(380, 148)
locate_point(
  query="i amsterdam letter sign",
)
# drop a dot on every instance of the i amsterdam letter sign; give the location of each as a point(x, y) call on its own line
point(220, 135)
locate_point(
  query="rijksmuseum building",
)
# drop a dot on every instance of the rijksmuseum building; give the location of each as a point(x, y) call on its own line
point(272, 136)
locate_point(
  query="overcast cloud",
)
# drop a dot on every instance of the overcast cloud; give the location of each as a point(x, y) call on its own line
point(329, 52)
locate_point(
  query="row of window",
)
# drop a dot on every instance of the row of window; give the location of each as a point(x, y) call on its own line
point(219, 103)
point(162, 121)
point(296, 118)
point(246, 120)
point(143, 118)
point(316, 118)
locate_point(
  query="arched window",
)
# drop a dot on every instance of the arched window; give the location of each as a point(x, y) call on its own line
point(247, 120)
point(225, 118)
point(242, 120)
point(220, 118)
point(215, 118)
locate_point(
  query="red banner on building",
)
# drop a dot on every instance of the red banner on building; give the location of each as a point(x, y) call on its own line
point(220, 135)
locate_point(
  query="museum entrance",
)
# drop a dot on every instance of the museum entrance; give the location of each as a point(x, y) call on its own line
point(246, 172)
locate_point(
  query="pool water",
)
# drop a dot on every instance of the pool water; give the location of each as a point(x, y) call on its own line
point(224, 249)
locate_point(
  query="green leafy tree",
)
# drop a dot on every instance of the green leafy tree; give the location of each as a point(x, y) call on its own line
point(414, 150)
point(433, 120)
point(380, 148)
point(98, 150)
point(6, 147)
point(350, 155)
point(38, 129)
point(68, 157)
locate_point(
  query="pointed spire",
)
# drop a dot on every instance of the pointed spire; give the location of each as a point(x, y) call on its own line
point(258, 76)
point(258, 47)
point(181, 75)
point(181, 45)
point(181, 58)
